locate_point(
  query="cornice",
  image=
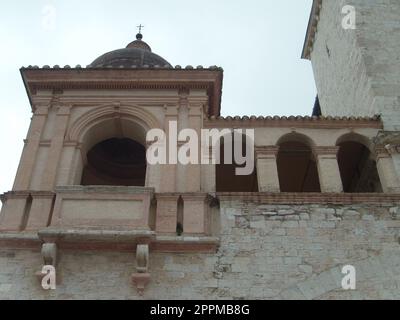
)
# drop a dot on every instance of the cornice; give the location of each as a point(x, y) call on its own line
point(311, 29)
point(310, 198)
point(293, 122)
point(152, 78)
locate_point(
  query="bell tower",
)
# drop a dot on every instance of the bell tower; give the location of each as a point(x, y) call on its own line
point(83, 178)
point(354, 48)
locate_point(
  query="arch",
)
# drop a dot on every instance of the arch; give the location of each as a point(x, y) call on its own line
point(102, 113)
point(116, 162)
point(297, 166)
point(226, 178)
point(355, 137)
point(108, 122)
point(357, 164)
point(296, 137)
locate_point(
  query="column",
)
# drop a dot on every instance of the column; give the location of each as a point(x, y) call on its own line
point(56, 147)
point(153, 173)
point(386, 170)
point(193, 171)
point(267, 169)
point(66, 164)
point(183, 116)
point(28, 158)
point(394, 151)
point(208, 171)
point(328, 169)
point(168, 171)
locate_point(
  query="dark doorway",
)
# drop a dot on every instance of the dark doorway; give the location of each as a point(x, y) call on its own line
point(226, 178)
point(297, 168)
point(117, 162)
point(357, 169)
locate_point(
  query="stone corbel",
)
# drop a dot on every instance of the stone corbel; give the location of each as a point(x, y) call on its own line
point(49, 255)
point(141, 278)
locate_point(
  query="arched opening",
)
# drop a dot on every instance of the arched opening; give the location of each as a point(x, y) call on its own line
point(115, 123)
point(227, 179)
point(116, 162)
point(297, 167)
point(357, 167)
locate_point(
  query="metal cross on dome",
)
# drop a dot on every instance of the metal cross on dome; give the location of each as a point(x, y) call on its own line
point(140, 27)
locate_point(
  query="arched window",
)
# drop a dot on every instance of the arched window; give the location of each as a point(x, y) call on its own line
point(357, 165)
point(297, 167)
point(115, 161)
point(227, 179)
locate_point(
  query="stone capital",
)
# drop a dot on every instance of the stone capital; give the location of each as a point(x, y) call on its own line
point(381, 152)
point(195, 197)
point(167, 196)
point(266, 152)
point(41, 110)
point(393, 148)
point(63, 110)
point(326, 151)
point(171, 111)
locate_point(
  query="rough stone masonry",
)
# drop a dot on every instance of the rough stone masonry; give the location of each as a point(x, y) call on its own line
point(266, 252)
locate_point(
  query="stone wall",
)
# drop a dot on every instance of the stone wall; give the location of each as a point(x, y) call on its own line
point(266, 252)
point(357, 71)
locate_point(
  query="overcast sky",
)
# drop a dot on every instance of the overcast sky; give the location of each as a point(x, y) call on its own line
point(257, 42)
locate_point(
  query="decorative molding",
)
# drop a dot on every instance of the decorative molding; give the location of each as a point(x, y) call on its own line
point(393, 148)
point(97, 115)
point(293, 122)
point(36, 79)
point(266, 152)
point(325, 151)
point(141, 278)
point(390, 140)
point(104, 241)
point(310, 198)
point(49, 254)
point(312, 29)
point(381, 152)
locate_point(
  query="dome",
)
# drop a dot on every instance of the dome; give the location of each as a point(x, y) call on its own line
point(137, 53)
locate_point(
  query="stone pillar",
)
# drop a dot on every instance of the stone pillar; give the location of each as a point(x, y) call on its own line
point(42, 203)
point(208, 171)
point(167, 213)
point(168, 171)
point(196, 218)
point(182, 124)
point(386, 170)
point(13, 212)
point(193, 171)
point(56, 147)
point(28, 158)
point(153, 173)
point(328, 169)
point(267, 169)
point(66, 168)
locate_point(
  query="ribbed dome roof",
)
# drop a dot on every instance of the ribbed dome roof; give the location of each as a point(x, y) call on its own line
point(137, 53)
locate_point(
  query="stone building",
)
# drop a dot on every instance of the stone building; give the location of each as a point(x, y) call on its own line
point(324, 194)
